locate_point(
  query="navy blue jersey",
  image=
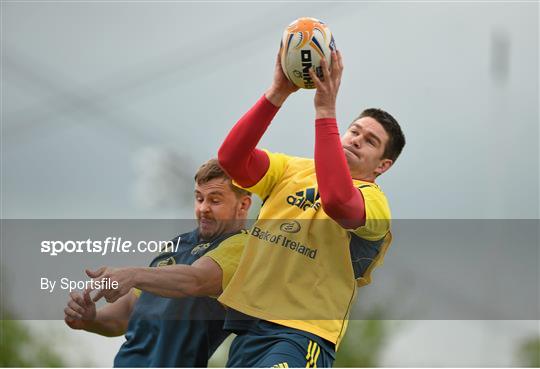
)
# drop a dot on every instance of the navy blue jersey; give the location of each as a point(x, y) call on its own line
point(166, 332)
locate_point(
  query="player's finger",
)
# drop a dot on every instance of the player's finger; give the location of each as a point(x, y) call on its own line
point(336, 72)
point(75, 307)
point(77, 298)
point(86, 296)
point(72, 314)
point(98, 296)
point(340, 65)
point(95, 274)
point(325, 69)
point(314, 77)
point(340, 60)
point(335, 65)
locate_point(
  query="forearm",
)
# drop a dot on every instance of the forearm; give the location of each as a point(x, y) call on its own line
point(276, 97)
point(173, 281)
point(107, 328)
point(340, 199)
point(238, 154)
point(112, 320)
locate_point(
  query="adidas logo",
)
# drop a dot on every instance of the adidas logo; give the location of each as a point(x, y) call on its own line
point(307, 199)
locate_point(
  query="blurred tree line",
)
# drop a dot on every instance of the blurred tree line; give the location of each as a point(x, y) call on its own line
point(364, 342)
point(20, 348)
point(528, 353)
point(362, 347)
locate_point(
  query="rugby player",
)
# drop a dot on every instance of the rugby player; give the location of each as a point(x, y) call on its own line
point(161, 328)
point(323, 227)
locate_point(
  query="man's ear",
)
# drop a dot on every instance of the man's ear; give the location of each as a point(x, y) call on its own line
point(384, 165)
point(245, 203)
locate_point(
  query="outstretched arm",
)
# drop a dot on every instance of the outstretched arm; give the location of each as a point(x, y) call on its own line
point(238, 154)
point(340, 199)
point(202, 278)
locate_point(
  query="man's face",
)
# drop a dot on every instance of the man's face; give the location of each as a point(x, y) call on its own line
point(218, 209)
point(364, 144)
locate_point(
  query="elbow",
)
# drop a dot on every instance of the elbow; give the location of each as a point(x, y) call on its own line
point(198, 290)
point(200, 286)
point(205, 285)
point(227, 163)
point(233, 169)
point(196, 287)
point(341, 214)
point(332, 205)
point(194, 291)
point(330, 208)
point(120, 329)
point(225, 158)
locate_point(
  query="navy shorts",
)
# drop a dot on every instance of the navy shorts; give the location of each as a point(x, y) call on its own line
point(279, 347)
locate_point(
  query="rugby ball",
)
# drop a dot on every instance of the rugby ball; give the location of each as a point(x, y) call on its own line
point(305, 42)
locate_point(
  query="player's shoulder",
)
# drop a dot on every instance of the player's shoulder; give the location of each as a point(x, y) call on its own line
point(370, 188)
point(290, 161)
point(365, 184)
point(374, 198)
point(274, 155)
point(302, 161)
point(285, 165)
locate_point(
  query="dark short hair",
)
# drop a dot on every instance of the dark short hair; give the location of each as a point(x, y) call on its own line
point(396, 138)
point(212, 170)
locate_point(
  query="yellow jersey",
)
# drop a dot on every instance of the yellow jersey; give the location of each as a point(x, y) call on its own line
point(227, 255)
point(300, 268)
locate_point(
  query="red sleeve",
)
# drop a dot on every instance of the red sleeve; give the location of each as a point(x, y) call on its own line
point(238, 154)
point(340, 199)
